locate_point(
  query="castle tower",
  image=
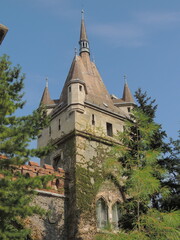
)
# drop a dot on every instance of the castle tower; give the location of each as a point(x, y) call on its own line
point(83, 124)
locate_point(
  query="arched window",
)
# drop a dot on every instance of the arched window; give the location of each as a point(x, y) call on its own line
point(116, 214)
point(57, 183)
point(102, 213)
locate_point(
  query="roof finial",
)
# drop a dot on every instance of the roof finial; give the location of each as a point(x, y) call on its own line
point(82, 14)
point(47, 82)
point(75, 51)
point(125, 79)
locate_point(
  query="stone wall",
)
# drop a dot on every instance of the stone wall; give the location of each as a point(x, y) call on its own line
point(50, 226)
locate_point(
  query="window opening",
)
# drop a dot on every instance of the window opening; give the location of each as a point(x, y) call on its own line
point(49, 130)
point(80, 87)
point(129, 109)
point(109, 129)
point(102, 213)
point(57, 183)
point(116, 214)
point(93, 119)
point(27, 175)
point(59, 125)
point(56, 162)
point(69, 89)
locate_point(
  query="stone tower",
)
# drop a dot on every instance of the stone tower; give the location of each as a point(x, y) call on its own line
point(84, 121)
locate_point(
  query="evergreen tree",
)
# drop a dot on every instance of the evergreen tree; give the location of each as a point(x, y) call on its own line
point(169, 158)
point(148, 106)
point(134, 163)
point(172, 164)
point(16, 133)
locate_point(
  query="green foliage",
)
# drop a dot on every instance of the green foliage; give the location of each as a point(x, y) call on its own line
point(172, 164)
point(161, 226)
point(135, 164)
point(169, 159)
point(16, 191)
point(134, 235)
point(88, 183)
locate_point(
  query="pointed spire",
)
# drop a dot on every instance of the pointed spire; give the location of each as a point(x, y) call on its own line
point(127, 96)
point(46, 99)
point(83, 42)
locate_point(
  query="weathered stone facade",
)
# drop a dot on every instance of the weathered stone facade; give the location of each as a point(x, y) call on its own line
point(84, 123)
point(51, 225)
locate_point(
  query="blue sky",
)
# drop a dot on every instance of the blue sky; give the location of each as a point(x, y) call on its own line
point(136, 38)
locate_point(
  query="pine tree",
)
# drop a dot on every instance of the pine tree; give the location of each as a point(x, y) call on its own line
point(169, 158)
point(135, 165)
point(172, 180)
point(16, 191)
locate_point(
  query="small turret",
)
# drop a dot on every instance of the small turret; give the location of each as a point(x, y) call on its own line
point(75, 85)
point(46, 99)
point(127, 96)
point(126, 103)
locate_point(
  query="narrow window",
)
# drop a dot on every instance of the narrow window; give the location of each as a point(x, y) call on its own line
point(93, 119)
point(69, 89)
point(56, 162)
point(101, 213)
point(109, 129)
point(116, 214)
point(129, 109)
point(57, 184)
point(80, 88)
point(59, 125)
point(49, 130)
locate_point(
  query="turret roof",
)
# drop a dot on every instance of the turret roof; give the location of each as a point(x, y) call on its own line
point(46, 99)
point(127, 96)
point(84, 70)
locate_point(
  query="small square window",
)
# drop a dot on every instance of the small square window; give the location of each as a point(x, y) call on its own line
point(109, 129)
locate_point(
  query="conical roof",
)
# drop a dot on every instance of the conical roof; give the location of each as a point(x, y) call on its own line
point(127, 96)
point(83, 34)
point(75, 73)
point(82, 69)
point(46, 99)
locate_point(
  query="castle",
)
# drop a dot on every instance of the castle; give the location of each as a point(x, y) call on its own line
point(84, 121)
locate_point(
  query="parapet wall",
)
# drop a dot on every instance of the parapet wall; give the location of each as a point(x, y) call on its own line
point(51, 225)
point(33, 169)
